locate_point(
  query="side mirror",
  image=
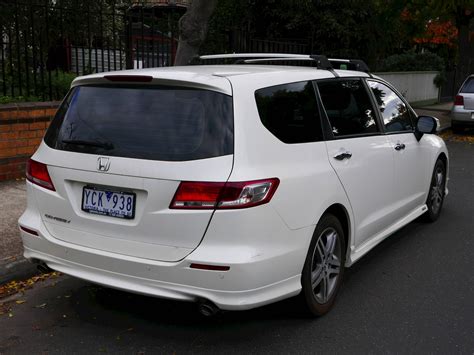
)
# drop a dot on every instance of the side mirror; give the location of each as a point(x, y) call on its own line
point(425, 124)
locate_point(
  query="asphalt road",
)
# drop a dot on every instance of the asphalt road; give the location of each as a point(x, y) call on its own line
point(414, 293)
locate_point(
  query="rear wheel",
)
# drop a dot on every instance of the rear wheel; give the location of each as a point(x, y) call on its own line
point(456, 127)
point(437, 191)
point(324, 266)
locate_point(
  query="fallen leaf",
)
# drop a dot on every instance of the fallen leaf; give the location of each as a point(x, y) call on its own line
point(41, 305)
point(10, 315)
point(20, 301)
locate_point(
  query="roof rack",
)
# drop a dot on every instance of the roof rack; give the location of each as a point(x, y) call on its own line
point(321, 61)
point(349, 64)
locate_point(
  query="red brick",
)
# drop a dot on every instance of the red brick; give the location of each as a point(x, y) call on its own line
point(13, 144)
point(40, 133)
point(37, 113)
point(27, 134)
point(9, 152)
point(5, 127)
point(20, 127)
point(37, 125)
point(8, 135)
point(9, 115)
point(34, 142)
point(26, 150)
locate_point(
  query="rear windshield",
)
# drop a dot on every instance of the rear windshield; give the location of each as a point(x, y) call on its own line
point(154, 122)
point(468, 87)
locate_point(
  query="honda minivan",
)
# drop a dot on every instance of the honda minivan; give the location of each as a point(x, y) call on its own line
point(232, 186)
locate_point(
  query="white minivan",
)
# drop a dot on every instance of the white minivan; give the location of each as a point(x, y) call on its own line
point(232, 186)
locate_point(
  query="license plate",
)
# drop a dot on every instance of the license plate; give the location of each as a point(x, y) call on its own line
point(106, 202)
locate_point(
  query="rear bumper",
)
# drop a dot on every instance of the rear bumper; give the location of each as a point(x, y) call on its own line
point(461, 115)
point(144, 279)
point(259, 274)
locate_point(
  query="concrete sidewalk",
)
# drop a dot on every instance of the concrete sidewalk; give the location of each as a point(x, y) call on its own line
point(12, 205)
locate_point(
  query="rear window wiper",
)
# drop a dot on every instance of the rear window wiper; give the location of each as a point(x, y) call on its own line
point(105, 145)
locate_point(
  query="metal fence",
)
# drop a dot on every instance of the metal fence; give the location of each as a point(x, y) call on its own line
point(44, 45)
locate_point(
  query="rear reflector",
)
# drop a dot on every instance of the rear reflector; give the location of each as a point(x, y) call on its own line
point(28, 230)
point(129, 78)
point(37, 173)
point(459, 100)
point(209, 267)
point(220, 195)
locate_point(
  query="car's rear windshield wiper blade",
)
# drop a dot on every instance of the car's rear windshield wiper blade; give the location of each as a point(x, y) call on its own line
point(105, 145)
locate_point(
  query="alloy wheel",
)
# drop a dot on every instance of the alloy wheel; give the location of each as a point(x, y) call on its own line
point(326, 265)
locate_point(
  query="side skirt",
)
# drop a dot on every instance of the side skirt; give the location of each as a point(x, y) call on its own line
point(369, 244)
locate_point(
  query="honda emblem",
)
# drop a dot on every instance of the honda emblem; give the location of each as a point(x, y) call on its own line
point(103, 164)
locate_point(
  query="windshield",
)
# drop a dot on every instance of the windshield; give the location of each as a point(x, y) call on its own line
point(152, 122)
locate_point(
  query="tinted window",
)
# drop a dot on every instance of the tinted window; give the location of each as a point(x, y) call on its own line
point(468, 87)
point(160, 123)
point(348, 107)
point(290, 112)
point(396, 116)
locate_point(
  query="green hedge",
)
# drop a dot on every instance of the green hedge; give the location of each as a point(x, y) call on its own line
point(413, 62)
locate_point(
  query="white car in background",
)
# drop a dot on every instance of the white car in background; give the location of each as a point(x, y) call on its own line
point(462, 113)
point(232, 186)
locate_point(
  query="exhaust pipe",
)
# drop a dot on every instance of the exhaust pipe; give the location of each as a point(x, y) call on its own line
point(43, 268)
point(208, 309)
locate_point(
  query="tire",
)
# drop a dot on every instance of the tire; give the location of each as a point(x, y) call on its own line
point(456, 128)
point(437, 191)
point(326, 254)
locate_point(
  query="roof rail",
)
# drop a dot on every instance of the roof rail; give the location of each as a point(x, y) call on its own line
point(322, 62)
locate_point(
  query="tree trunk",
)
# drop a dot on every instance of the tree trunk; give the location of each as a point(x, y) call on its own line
point(193, 29)
point(465, 46)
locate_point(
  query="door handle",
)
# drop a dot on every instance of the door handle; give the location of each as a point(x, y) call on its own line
point(399, 146)
point(343, 155)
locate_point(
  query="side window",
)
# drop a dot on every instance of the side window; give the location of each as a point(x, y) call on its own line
point(468, 87)
point(396, 115)
point(348, 107)
point(290, 112)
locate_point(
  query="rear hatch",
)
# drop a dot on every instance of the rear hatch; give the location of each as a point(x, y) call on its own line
point(116, 154)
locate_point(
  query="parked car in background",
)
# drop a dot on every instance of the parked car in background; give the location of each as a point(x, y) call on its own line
point(232, 186)
point(462, 113)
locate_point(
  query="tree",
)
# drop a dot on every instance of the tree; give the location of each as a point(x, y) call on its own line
point(461, 14)
point(193, 29)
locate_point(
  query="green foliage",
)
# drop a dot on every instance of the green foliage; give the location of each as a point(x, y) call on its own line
point(412, 61)
point(440, 79)
point(61, 82)
point(9, 99)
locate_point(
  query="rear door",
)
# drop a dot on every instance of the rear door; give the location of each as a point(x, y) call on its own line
point(360, 154)
point(117, 154)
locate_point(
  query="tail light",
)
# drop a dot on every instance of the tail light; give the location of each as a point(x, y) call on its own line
point(38, 174)
point(224, 195)
point(459, 100)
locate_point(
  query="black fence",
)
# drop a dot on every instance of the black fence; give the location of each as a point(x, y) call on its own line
point(44, 45)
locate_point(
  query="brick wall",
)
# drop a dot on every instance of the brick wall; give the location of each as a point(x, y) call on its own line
point(22, 127)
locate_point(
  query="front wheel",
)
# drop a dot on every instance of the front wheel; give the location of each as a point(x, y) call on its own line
point(437, 191)
point(324, 266)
